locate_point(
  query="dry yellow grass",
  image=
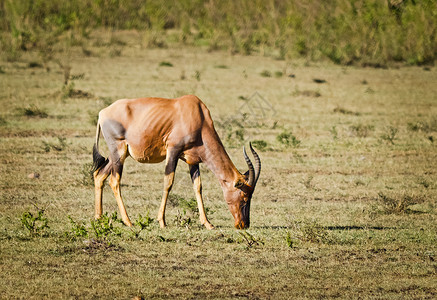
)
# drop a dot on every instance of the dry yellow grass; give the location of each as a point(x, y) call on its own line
point(323, 223)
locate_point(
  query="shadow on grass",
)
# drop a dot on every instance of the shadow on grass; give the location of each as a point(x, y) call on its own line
point(331, 227)
point(358, 228)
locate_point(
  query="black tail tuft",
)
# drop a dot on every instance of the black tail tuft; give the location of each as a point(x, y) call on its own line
point(98, 160)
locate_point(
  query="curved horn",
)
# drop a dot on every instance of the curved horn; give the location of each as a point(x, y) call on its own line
point(257, 163)
point(251, 181)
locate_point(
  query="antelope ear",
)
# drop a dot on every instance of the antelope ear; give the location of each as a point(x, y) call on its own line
point(239, 183)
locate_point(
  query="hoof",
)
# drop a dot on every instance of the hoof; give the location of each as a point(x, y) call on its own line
point(127, 223)
point(209, 226)
point(162, 223)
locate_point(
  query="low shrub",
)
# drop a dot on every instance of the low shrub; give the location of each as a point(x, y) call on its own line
point(287, 139)
point(36, 224)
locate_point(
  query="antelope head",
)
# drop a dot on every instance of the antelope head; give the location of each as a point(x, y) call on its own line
point(239, 195)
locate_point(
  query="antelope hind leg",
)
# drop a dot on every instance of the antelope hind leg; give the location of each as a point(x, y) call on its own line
point(100, 176)
point(117, 158)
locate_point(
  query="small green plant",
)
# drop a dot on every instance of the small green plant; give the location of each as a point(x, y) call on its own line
point(67, 90)
point(345, 111)
point(93, 117)
point(233, 131)
point(298, 157)
point(334, 132)
point(35, 224)
point(189, 210)
point(415, 126)
point(359, 182)
point(250, 239)
point(306, 93)
point(287, 139)
point(308, 182)
point(87, 174)
point(197, 75)
point(3, 121)
point(424, 126)
point(398, 204)
point(59, 146)
point(66, 70)
point(390, 135)
point(289, 240)
point(165, 64)
point(239, 134)
point(424, 182)
point(310, 93)
point(77, 230)
point(189, 205)
point(141, 224)
point(319, 80)
point(314, 233)
point(104, 226)
point(260, 145)
point(311, 232)
point(115, 51)
point(266, 73)
point(32, 111)
point(34, 64)
point(361, 130)
point(154, 39)
point(369, 90)
point(79, 76)
point(183, 220)
point(144, 222)
point(279, 74)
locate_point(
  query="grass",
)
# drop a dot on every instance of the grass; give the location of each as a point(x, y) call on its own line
point(165, 64)
point(345, 206)
point(32, 111)
point(287, 139)
point(401, 32)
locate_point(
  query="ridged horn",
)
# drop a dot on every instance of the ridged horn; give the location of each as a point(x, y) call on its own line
point(257, 163)
point(251, 169)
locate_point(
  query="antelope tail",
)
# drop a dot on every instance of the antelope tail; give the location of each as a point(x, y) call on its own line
point(98, 160)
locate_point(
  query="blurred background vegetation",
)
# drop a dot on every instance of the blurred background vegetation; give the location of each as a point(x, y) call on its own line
point(367, 33)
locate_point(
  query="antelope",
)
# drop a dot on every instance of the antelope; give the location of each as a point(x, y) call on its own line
point(152, 130)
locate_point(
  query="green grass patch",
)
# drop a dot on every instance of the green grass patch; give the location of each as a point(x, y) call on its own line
point(32, 111)
point(165, 64)
point(287, 139)
point(332, 216)
point(361, 130)
point(266, 73)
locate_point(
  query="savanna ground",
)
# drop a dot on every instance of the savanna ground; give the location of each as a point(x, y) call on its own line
point(345, 206)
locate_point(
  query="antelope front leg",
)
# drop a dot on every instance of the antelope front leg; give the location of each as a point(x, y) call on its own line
point(197, 186)
point(170, 168)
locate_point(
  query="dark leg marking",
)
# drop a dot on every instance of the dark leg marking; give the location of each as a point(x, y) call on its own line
point(197, 186)
point(170, 168)
point(114, 134)
point(194, 172)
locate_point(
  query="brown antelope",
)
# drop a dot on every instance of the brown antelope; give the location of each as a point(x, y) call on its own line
point(153, 129)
